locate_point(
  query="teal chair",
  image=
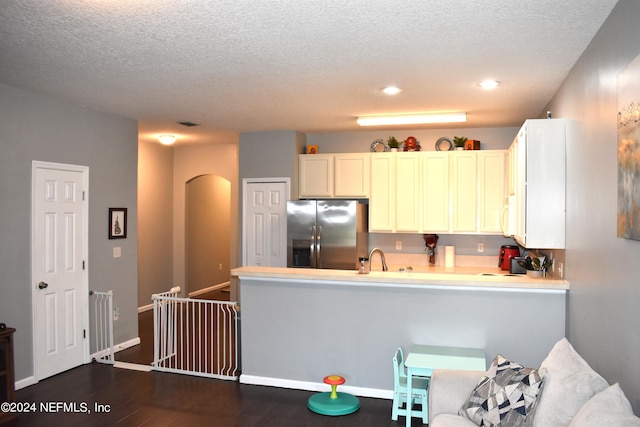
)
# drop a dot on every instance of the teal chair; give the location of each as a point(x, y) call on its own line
point(401, 396)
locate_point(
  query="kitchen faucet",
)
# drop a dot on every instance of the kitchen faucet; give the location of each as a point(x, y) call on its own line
point(378, 250)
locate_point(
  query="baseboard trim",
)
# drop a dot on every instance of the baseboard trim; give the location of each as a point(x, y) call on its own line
point(145, 308)
point(313, 386)
point(209, 289)
point(125, 345)
point(132, 366)
point(116, 348)
point(148, 307)
point(25, 382)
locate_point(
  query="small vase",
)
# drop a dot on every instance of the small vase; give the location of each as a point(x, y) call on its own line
point(393, 150)
point(460, 148)
point(535, 273)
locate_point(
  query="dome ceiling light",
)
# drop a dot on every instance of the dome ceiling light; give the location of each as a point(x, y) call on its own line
point(167, 139)
point(489, 84)
point(391, 90)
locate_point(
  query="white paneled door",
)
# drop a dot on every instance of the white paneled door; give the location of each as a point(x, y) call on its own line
point(265, 223)
point(59, 275)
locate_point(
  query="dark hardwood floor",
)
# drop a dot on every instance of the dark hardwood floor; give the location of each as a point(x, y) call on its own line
point(137, 398)
point(134, 398)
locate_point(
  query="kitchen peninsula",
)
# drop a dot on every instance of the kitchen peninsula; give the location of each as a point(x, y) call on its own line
point(299, 325)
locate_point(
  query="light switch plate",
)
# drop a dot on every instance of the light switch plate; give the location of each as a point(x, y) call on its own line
point(117, 252)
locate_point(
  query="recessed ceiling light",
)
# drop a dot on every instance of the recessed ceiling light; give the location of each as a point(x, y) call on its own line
point(412, 119)
point(391, 90)
point(489, 84)
point(167, 139)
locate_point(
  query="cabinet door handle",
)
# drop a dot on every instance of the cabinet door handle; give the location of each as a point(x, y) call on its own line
point(43, 285)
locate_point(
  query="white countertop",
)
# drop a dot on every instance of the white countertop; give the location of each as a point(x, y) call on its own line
point(470, 277)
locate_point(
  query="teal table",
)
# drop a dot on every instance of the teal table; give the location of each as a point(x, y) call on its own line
point(423, 359)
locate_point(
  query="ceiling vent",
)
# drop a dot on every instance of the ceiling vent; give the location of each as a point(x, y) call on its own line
point(188, 124)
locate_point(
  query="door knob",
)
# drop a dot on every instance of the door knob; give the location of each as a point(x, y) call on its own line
point(43, 285)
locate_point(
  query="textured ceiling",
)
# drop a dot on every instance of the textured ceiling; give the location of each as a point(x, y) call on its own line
point(310, 65)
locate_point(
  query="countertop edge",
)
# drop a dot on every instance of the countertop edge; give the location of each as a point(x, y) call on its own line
point(403, 279)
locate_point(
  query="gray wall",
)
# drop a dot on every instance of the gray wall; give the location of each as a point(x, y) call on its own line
point(269, 155)
point(195, 160)
point(38, 127)
point(155, 215)
point(301, 330)
point(603, 270)
point(354, 142)
point(208, 232)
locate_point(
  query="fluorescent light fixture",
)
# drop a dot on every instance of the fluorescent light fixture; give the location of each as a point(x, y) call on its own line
point(167, 139)
point(489, 84)
point(412, 119)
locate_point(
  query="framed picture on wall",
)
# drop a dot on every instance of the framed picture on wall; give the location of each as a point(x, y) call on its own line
point(117, 223)
point(629, 151)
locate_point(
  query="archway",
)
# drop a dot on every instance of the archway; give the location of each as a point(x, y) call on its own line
point(207, 233)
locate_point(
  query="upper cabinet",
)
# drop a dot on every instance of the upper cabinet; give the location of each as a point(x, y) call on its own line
point(352, 173)
point(539, 179)
point(334, 175)
point(437, 192)
point(316, 175)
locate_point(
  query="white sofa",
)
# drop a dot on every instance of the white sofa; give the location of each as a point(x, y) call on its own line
point(571, 394)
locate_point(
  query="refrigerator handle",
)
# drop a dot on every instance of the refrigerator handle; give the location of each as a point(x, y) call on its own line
point(312, 246)
point(318, 247)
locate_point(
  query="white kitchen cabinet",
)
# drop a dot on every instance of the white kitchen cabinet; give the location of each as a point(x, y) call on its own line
point(435, 192)
point(315, 175)
point(541, 184)
point(334, 175)
point(382, 203)
point(408, 198)
point(352, 172)
point(491, 190)
point(464, 192)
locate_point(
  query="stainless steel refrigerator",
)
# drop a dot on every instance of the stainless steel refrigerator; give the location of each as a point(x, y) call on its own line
point(326, 233)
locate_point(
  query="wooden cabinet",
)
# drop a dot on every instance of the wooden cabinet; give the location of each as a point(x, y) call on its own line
point(437, 192)
point(408, 203)
point(352, 173)
point(7, 378)
point(316, 175)
point(491, 190)
point(334, 175)
point(464, 192)
point(541, 184)
point(382, 203)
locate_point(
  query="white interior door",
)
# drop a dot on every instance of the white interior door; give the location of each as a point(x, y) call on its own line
point(265, 223)
point(59, 276)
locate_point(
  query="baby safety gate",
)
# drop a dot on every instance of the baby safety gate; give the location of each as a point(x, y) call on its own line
point(195, 336)
point(103, 323)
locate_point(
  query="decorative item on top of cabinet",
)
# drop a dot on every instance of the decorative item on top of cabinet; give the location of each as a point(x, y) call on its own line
point(379, 146)
point(459, 141)
point(393, 143)
point(312, 149)
point(444, 144)
point(472, 144)
point(411, 144)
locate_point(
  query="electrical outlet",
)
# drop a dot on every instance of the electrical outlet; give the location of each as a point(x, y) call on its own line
point(480, 247)
point(116, 313)
point(219, 266)
point(398, 245)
